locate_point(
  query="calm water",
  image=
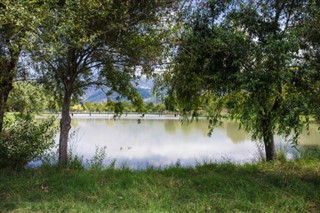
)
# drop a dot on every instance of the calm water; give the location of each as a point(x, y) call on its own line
point(158, 141)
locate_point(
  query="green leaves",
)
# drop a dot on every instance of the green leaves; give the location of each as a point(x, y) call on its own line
point(24, 139)
point(77, 39)
point(28, 98)
point(102, 43)
point(207, 62)
point(251, 57)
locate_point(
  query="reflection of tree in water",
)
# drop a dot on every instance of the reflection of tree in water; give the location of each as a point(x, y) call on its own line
point(74, 122)
point(150, 123)
point(311, 137)
point(187, 127)
point(202, 126)
point(195, 126)
point(234, 133)
point(109, 122)
point(125, 122)
point(170, 126)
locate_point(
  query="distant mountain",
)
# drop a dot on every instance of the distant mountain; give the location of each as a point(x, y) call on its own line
point(96, 95)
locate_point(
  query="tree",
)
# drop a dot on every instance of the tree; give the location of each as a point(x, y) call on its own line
point(26, 98)
point(309, 33)
point(248, 51)
point(98, 43)
point(15, 22)
point(150, 107)
point(89, 107)
point(160, 108)
point(109, 106)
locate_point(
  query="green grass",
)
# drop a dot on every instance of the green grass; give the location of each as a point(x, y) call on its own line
point(292, 186)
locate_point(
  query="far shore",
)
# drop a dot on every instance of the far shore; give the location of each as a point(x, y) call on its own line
point(111, 115)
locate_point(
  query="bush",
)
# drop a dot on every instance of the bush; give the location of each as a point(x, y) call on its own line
point(23, 139)
point(311, 152)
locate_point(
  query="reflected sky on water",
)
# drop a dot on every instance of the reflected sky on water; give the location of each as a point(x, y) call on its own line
point(154, 141)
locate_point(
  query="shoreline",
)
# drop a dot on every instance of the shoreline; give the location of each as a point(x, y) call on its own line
point(122, 116)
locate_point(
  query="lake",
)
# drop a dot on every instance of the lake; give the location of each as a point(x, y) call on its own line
point(163, 141)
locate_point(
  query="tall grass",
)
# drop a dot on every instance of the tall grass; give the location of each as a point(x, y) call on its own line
point(280, 186)
point(291, 186)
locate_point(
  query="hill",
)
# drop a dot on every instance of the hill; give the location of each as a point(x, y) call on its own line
point(96, 95)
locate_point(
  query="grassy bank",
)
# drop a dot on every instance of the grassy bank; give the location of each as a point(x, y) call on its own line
point(263, 187)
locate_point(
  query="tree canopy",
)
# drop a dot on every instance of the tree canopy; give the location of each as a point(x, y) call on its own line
point(101, 43)
point(249, 53)
point(260, 59)
point(27, 97)
point(16, 21)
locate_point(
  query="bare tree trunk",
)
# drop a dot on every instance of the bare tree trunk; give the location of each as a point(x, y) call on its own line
point(7, 74)
point(65, 126)
point(268, 139)
point(5, 88)
point(270, 148)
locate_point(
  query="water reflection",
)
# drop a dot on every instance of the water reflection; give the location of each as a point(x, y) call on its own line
point(234, 133)
point(163, 142)
point(310, 137)
point(170, 126)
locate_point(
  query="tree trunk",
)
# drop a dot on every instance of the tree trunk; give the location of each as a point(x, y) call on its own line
point(269, 147)
point(5, 89)
point(268, 139)
point(65, 126)
point(7, 73)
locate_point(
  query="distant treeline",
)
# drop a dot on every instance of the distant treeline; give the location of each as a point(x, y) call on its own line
point(123, 107)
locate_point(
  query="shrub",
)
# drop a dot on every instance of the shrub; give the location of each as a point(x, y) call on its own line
point(24, 139)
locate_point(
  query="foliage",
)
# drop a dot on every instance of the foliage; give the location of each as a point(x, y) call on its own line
point(102, 43)
point(273, 79)
point(118, 107)
point(105, 41)
point(25, 139)
point(96, 162)
point(28, 98)
point(310, 153)
point(75, 162)
point(245, 56)
point(149, 106)
point(170, 103)
point(310, 33)
point(16, 22)
point(160, 107)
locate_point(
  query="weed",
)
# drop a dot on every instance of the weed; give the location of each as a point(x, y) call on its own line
point(96, 162)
